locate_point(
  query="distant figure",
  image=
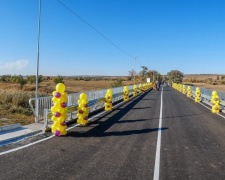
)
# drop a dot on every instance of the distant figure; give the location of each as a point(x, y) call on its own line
point(158, 86)
point(154, 86)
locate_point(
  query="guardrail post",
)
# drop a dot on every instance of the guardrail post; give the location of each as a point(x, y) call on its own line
point(37, 110)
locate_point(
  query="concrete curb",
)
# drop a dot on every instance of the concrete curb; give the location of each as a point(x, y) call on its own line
point(10, 127)
point(3, 142)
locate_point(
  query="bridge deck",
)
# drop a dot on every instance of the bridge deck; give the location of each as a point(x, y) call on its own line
point(122, 144)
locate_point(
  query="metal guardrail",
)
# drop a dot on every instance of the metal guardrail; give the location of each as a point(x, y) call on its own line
point(42, 105)
point(206, 96)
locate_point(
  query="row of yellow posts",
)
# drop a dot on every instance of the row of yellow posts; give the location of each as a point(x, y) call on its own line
point(215, 100)
point(59, 106)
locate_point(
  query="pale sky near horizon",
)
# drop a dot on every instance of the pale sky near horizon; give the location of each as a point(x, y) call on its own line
point(164, 35)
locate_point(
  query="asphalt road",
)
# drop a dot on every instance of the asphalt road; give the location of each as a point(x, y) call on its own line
point(122, 144)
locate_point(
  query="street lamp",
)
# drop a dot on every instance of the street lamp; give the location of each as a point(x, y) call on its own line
point(36, 94)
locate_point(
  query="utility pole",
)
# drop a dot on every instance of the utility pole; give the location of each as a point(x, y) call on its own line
point(135, 59)
point(36, 95)
point(134, 69)
point(153, 76)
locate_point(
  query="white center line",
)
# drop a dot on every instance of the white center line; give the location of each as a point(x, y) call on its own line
point(158, 147)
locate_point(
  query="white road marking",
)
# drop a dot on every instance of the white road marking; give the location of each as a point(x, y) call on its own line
point(158, 147)
point(36, 142)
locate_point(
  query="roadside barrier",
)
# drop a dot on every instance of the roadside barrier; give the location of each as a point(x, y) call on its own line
point(108, 100)
point(96, 101)
point(215, 102)
point(215, 99)
point(59, 110)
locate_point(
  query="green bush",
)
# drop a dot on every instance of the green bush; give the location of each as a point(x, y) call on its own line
point(117, 83)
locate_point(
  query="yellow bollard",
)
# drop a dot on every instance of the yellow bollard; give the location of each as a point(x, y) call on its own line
point(82, 110)
point(108, 100)
point(198, 95)
point(215, 99)
point(59, 110)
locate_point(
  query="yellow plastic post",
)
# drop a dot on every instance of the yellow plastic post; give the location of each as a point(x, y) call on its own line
point(59, 110)
point(215, 99)
point(108, 100)
point(82, 110)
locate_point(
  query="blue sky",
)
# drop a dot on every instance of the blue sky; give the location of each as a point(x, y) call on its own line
point(187, 35)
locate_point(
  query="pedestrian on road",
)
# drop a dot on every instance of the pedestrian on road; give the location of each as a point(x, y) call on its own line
point(158, 86)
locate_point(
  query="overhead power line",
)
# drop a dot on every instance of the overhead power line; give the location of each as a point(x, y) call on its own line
point(82, 19)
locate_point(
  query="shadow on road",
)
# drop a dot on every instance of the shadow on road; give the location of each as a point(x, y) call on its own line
point(102, 126)
point(126, 133)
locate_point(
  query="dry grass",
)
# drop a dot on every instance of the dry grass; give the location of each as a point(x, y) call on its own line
point(210, 86)
point(14, 107)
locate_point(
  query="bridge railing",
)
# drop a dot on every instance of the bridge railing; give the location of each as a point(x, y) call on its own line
point(206, 96)
point(42, 105)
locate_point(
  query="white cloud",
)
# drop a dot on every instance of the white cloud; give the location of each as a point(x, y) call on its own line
point(17, 65)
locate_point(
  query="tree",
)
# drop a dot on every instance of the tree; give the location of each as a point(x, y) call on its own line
point(21, 81)
point(144, 73)
point(218, 77)
point(154, 75)
point(58, 79)
point(175, 76)
point(222, 77)
point(132, 75)
point(117, 83)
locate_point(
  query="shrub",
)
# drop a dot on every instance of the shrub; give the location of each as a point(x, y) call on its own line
point(117, 83)
point(58, 79)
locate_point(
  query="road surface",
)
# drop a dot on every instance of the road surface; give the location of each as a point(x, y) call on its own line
point(122, 144)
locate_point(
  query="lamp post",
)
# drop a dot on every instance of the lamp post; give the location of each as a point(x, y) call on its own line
point(36, 94)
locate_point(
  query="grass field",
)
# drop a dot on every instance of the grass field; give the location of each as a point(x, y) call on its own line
point(14, 107)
